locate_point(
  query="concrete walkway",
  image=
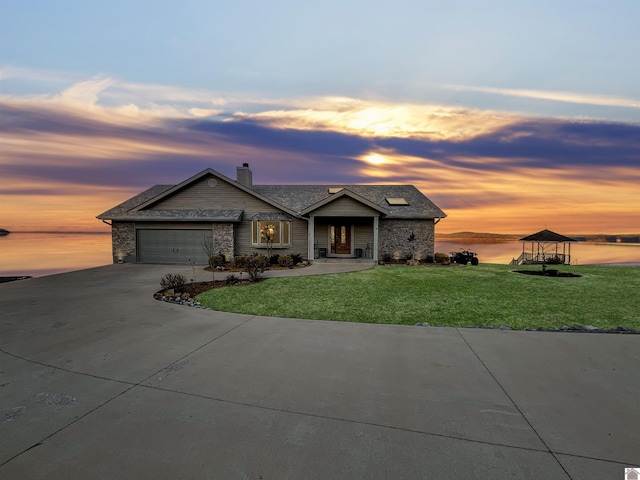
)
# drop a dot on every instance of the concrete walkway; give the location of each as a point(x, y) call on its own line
point(100, 381)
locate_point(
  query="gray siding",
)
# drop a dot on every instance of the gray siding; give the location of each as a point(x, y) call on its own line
point(363, 234)
point(226, 196)
point(345, 207)
point(299, 231)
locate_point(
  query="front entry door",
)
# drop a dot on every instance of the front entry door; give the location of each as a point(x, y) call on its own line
point(341, 239)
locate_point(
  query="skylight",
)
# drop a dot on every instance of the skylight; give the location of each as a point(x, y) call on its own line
point(397, 201)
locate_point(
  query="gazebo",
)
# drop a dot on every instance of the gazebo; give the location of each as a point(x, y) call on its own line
point(545, 249)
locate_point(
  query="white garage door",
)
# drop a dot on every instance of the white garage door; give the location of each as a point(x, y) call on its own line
point(172, 246)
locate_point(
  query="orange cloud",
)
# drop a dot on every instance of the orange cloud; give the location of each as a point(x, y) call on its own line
point(380, 119)
point(518, 200)
point(483, 168)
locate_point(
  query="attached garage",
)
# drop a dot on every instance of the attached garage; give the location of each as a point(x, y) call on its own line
point(181, 246)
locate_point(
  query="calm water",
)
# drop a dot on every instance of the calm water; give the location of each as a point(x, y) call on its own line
point(39, 254)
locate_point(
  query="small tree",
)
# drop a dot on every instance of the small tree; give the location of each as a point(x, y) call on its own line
point(208, 248)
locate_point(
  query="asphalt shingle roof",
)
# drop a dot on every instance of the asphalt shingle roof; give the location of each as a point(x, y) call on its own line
point(299, 197)
point(123, 209)
point(294, 197)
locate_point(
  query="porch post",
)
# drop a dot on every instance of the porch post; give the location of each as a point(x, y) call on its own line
point(375, 238)
point(311, 237)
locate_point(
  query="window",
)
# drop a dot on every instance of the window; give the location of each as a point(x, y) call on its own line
point(279, 232)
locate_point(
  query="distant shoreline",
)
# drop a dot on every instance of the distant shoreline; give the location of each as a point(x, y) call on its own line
point(479, 237)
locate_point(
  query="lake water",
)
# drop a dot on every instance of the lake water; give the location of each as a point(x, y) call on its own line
point(39, 254)
point(582, 253)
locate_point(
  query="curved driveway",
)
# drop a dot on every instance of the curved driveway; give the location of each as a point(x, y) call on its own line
point(98, 380)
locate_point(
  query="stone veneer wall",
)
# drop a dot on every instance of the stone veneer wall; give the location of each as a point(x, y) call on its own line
point(223, 239)
point(123, 241)
point(393, 238)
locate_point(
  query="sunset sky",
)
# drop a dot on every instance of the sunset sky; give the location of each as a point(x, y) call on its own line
point(512, 116)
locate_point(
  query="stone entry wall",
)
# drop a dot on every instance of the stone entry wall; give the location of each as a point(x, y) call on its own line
point(393, 237)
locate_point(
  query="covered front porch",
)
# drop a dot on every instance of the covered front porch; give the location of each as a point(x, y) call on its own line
point(344, 226)
point(343, 238)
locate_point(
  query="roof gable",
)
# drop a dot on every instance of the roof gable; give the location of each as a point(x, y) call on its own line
point(341, 194)
point(198, 177)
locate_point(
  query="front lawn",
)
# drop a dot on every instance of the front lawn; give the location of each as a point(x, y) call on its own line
point(484, 295)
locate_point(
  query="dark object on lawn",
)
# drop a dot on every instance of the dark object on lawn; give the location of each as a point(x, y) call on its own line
point(548, 272)
point(464, 257)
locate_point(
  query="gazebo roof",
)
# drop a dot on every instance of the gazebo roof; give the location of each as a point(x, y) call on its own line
point(547, 236)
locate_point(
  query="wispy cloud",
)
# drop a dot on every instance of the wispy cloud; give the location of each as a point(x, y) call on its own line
point(568, 97)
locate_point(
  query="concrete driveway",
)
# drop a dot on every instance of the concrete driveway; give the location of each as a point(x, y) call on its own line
point(100, 381)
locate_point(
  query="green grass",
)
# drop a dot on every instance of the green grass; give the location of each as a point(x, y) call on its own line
point(486, 295)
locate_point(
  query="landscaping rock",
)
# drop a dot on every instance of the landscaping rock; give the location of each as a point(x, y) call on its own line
point(505, 327)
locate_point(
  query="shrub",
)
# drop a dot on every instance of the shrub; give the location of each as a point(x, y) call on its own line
point(216, 261)
point(442, 258)
point(429, 259)
point(255, 266)
point(232, 279)
point(241, 261)
point(273, 260)
point(174, 281)
point(297, 258)
point(285, 261)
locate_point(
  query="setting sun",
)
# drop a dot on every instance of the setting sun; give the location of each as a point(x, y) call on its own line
point(375, 159)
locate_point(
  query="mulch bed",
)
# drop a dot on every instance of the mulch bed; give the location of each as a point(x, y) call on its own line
point(197, 288)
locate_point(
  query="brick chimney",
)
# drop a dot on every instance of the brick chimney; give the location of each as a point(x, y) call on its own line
point(244, 176)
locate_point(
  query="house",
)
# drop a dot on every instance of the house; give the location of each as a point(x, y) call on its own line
point(171, 223)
